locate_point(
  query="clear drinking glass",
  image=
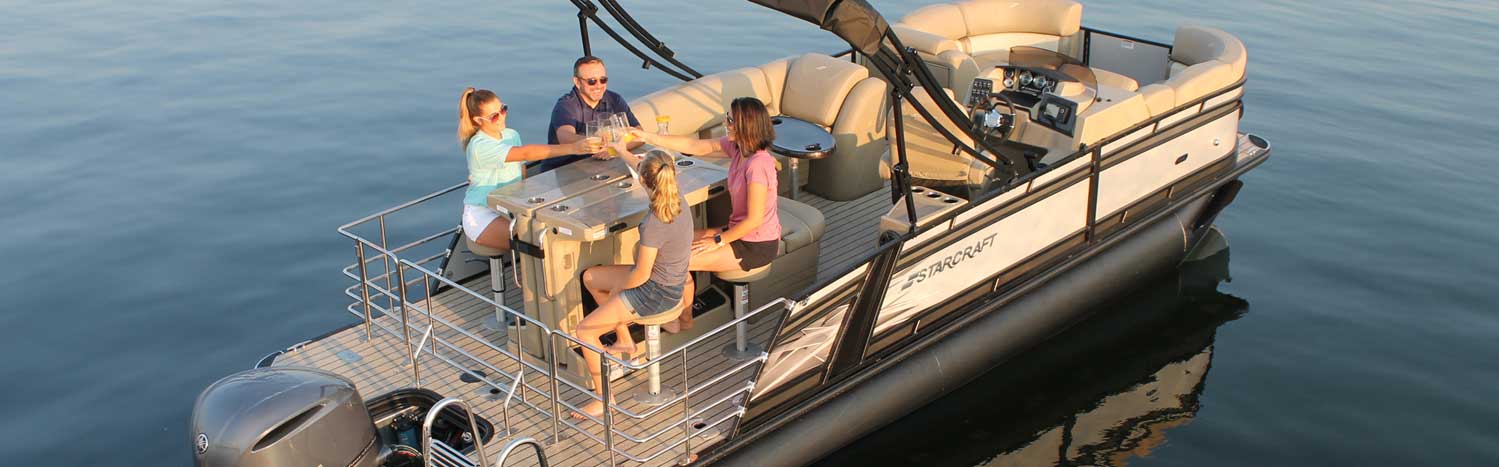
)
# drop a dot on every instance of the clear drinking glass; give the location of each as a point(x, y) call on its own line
point(662, 122)
point(592, 132)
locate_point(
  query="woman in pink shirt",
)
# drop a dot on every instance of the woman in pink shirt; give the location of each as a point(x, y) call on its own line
point(752, 237)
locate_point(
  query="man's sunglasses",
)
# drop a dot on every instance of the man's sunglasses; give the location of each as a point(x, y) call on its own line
point(495, 117)
point(595, 81)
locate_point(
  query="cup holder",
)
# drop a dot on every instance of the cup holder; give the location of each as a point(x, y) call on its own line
point(560, 208)
point(917, 189)
point(598, 177)
point(625, 185)
point(950, 200)
point(933, 194)
point(536, 200)
point(775, 120)
point(684, 163)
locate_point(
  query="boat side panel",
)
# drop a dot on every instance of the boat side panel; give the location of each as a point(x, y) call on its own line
point(978, 255)
point(1128, 181)
point(998, 331)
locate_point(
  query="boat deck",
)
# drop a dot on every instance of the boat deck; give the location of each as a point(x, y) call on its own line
point(380, 365)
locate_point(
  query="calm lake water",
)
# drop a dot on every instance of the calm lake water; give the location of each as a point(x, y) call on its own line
point(171, 174)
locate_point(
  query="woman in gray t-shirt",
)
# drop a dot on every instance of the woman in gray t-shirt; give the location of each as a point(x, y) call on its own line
point(653, 285)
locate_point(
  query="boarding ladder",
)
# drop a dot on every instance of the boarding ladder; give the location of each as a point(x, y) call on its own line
point(434, 450)
point(541, 454)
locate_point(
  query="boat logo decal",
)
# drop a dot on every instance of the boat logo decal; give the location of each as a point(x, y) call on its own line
point(930, 272)
point(201, 443)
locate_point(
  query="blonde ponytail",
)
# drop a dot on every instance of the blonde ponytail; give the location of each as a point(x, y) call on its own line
point(659, 173)
point(468, 105)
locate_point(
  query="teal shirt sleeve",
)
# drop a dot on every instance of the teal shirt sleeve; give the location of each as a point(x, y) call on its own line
point(488, 153)
point(487, 167)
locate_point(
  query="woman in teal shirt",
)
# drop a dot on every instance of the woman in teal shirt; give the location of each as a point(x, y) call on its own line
point(496, 157)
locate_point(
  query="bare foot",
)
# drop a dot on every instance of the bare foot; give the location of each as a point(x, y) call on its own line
point(676, 326)
point(619, 348)
point(593, 409)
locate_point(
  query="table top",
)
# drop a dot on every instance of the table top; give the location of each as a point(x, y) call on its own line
point(590, 198)
point(537, 191)
point(800, 139)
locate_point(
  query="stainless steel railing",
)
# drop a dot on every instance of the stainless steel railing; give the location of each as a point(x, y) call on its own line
point(541, 454)
point(434, 449)
point(392, 294)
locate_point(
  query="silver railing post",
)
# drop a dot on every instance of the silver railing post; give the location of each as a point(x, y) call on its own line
point(608, 410)
point(505, 406)
point(686, 412)
point(427, 286)
point(416, 374)
point(556, 395)
point(364, 290)
point(385, 259)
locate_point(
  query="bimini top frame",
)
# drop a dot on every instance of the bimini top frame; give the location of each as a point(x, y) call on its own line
point(588, 11)
point(863, 28)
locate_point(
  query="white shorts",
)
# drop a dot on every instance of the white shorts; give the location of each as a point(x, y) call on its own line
point(476, 219)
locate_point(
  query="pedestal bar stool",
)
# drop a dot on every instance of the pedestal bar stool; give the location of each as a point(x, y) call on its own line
point(494, 323)
point(741, 349)
point(654, 393)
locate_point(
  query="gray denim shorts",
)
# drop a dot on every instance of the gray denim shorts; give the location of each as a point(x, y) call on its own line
point(651, 299)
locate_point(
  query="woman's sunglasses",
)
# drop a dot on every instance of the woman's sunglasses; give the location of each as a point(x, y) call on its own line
point(495, 117)
point(595, 81)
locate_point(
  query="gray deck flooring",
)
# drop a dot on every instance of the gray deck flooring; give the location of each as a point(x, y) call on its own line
point(382, 366)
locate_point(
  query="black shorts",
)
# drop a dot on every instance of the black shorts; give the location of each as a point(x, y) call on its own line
point(754, 254)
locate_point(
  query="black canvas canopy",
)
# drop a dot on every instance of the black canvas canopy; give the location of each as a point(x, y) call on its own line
point(852, 20)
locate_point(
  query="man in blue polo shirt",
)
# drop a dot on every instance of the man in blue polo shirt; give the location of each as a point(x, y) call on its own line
point(589, 100)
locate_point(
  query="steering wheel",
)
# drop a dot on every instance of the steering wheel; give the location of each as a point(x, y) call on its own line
point(1010, 107)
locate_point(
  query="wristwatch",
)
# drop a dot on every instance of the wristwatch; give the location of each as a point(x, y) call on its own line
point(718, 239)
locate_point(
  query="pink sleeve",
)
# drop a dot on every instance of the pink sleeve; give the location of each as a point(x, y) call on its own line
point(762, 170)
point(728, 147)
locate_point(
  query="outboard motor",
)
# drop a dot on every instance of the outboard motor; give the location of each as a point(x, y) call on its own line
point(282, 417)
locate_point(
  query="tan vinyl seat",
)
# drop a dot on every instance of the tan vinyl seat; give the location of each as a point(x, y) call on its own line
point(1203, 60)
point(744, 277)
point(1195, 44)
point(833, 93)
point(961, 40)
point(482, 250)
point(795, 266)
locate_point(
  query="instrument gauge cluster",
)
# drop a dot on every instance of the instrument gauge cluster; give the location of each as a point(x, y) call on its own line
point(1019, 79)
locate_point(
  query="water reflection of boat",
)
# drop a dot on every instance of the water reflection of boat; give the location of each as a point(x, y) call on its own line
point(1100, 393)
point(997, 169)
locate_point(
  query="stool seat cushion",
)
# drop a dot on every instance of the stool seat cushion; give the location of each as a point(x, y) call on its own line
point(662, 318)
point(744, 276)
point(801, 224)
point(482, 250)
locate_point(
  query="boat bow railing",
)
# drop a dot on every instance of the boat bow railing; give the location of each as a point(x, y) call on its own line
point(393, 295)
